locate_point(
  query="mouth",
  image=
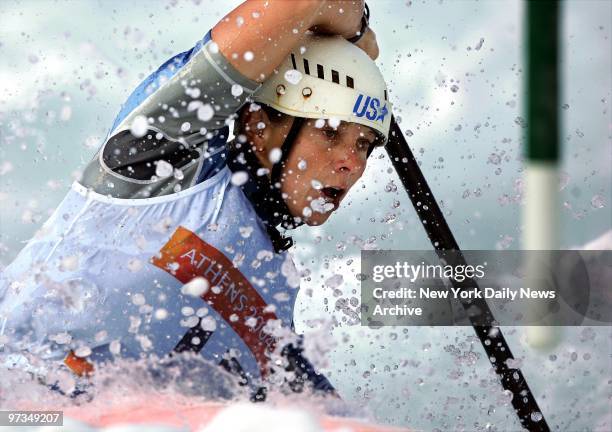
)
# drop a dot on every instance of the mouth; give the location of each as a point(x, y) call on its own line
point(333, 194)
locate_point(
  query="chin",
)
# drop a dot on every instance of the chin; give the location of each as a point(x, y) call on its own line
point(317, 219)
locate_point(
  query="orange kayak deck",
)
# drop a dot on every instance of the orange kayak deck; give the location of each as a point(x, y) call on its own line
point(216, 416)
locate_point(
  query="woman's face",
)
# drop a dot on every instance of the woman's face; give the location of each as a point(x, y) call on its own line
point(325, 161)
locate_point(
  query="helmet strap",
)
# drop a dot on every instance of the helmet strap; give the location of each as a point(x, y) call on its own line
point(266, 199)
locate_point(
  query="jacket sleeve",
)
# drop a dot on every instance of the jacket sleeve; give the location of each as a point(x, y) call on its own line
point(172, 123)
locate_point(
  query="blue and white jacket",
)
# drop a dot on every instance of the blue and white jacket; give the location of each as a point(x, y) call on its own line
point(155, 250)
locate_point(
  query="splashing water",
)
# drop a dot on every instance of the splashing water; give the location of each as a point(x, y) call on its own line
point(321, 206)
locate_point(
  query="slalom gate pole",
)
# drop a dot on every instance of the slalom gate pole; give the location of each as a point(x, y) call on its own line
point(442, 239)
point(541, 153)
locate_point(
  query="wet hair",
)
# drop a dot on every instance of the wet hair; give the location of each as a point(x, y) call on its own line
point(275, 116)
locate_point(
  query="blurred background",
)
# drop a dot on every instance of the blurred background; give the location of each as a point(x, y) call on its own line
point(455, 70)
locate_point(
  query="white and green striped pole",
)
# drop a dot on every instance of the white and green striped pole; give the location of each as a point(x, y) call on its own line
point(542, 153)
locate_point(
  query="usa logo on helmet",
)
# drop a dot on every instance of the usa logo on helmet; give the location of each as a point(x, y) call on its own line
point(370, 108)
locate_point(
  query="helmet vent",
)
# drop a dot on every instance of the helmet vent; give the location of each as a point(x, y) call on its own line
point(320, 72)
point(306, 67)
point(335, 77)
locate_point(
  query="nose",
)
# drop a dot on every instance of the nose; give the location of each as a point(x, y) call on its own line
point(348, 161)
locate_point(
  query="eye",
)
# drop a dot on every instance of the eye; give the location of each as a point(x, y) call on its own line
point(363, 145)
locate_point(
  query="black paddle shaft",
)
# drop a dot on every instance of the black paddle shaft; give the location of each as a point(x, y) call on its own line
point(442, 239)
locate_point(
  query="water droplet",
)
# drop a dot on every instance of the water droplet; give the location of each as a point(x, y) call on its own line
point(334, 122)
point(293, 76)
point(479, 44)
point(161, 314)
point(237, 90)
point(246, 231)
point(163, 169)
point(239, 178)
point(187, 311)
point(138, 299)
point(115, 347)
point(494, 159)
point(520, 121)
point(83, 351)
point(598, 202)
point(190, 322)
point(275, 155)
point(536, 416)
point(139, 126)
point(390, 187)
point(195, 287)
point(205, 112)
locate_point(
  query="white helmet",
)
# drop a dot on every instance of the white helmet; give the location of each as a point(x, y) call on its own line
point(329, 77)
